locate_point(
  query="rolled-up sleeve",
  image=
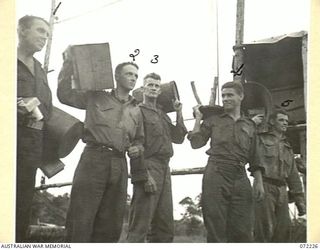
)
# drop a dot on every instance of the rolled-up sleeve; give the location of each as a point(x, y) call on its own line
point(200, 139)
point(138, 168)
point(256, 159)
point(177, 132)
point(67, 95)
point(295, 184)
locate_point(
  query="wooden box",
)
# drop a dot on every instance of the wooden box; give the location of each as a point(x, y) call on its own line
point(92, 66)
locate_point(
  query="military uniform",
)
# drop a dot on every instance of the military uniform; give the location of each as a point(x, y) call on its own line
point(227, 201)
point(29, 141)
point(155, 210)
point(275, 156)
point(99, 189)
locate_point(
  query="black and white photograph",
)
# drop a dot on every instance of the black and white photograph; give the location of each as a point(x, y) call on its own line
point(157, 121)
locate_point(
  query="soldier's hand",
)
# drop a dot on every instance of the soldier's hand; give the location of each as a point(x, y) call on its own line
point(258, 119)
point(20, 107)
point(301, 208)
point(66, 71)
point(177, 105)
point(150, 185)
point(133, 152)
point(198, 115)
point(258, 190)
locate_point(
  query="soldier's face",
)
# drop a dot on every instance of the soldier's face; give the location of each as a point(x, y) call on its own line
point(35, 37)
point(128, 77)
point(151, 88)
point(231, 99)
point(281, 123)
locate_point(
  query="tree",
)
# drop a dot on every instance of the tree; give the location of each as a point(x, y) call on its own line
point(191, 220)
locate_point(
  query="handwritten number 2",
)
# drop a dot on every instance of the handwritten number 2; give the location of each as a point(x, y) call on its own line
point(155, 59)
point(137, 51)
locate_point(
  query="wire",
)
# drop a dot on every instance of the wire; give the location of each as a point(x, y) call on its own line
point(87, 12)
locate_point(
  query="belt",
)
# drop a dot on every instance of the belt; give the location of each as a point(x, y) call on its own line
point(226, 162)
point(275, 182)
point(34, 124)
point(103, 147)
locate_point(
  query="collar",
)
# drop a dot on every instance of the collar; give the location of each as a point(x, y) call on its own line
point(157, 109)
point(271, 132)
point(130, 98)
point(242, 116)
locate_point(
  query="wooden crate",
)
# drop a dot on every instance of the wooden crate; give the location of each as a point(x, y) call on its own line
point(91, 66)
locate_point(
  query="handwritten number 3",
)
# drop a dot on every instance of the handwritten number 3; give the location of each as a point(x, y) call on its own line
point(155, 59)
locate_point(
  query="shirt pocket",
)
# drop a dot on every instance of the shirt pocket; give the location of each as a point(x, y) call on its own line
point(269, 147)
point(221, 134)
point(25, 88)
point(105, 115)
point(152, 129)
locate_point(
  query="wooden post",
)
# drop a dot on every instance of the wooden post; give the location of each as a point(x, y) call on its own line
point(48, 48)
point(238, 54)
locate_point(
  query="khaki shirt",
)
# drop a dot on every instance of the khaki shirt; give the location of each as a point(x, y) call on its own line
point(29, 85)
point(232, 142)
point(160, 133)
point(108, 121)
point(275, 156)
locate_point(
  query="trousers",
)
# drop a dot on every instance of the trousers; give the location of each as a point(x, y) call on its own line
point(151, 214)
point(227, 204)
point(98, 197)
point(29, 158)
point(272, 219)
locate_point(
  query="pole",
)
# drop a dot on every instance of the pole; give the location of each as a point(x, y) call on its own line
point(238, 53)
point(216, 86)
point(48, 48)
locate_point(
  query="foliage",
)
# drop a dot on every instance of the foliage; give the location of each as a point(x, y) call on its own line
point(191, 223)
point(47, 208)
point(298, 230)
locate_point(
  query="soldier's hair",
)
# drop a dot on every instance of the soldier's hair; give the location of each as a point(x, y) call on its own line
point(153, 76)
point(233, 85)
point(25, 22)
point(276, 111)
point(121, 65)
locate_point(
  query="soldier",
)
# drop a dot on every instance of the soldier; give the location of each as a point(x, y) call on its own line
point(113, 126)
point(151, 205)
point(227, 201)
point(274, 154)
point(32, 84)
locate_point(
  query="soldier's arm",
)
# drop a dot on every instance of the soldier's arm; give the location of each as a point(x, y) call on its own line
point(138, 168)
point(296, 188)
point(179, 131)
point(67, 95)
point(201, 132)
point(138, 140)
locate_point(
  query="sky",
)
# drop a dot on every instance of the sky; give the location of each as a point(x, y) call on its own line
point(183, 33)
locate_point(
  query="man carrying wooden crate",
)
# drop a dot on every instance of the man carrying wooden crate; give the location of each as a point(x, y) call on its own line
point(113, 126)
